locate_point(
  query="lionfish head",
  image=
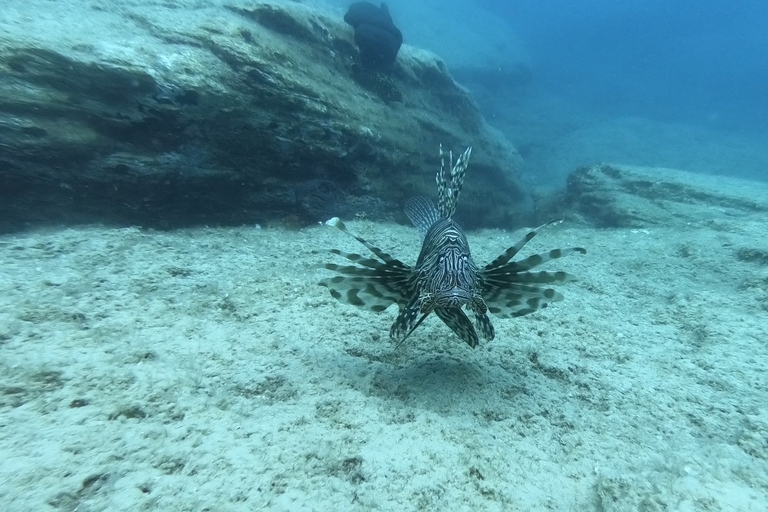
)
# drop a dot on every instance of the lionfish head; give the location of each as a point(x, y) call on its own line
point(448, 275)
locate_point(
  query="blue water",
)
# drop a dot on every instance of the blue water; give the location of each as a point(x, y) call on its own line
point(685, 61)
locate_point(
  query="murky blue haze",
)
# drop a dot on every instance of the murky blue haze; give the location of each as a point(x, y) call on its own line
point(687, 61)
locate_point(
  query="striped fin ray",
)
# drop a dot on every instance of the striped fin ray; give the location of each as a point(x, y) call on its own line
point(484, 325)
point(408, 320)
point(355, 258)
point(338, 224)
point(531, 261)
point(363, 292)
point(374, 286)
point(510, 291)
point(513, 304)
point(422, 213)
point(370, 284)
point(510, 294)
point(383, 272)
point(510, 299)
point(512, 251)
point(449, 180)
point(391, 264)
point(524, 278)
point(395, 274)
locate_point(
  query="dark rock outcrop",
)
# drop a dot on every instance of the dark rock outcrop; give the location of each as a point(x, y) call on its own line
point(376, 35)
point(170, 116)
point(617, 196)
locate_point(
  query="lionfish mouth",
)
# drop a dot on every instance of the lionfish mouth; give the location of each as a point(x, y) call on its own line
point(455, 298)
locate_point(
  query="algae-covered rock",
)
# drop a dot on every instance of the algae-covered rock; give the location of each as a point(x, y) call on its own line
point(608, 195)
point(166, 115)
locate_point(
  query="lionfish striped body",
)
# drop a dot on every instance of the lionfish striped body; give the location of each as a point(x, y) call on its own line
point(445, 281)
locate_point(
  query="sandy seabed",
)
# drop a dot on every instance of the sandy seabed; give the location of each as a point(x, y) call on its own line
point(204, 369)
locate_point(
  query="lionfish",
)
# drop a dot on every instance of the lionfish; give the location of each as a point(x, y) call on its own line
point(445, 280)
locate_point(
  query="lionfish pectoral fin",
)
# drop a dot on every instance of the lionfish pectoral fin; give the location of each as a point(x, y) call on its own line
point(512, 251)
point(521, 300)
point(408, 320)
point(372, 284)
point(484, 325)
point(353, 257)
point(459, 323)
point(362, 292)
point(418, 323)
point(338, 224)
point(534, 260)
point(509, 289)
point(499, 282)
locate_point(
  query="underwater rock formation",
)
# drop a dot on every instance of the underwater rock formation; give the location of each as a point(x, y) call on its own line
point(171, 116)
point(376, 35)
point(618, 196)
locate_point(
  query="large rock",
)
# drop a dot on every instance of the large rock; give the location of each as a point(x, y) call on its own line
point(617, 196)
point(476, 41)
point(161, 115)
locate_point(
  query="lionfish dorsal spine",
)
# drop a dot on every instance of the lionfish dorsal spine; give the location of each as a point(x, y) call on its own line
point(422, 213)
point(449, 180)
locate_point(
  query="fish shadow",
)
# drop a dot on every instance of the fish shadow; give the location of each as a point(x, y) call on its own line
point(442, 383)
